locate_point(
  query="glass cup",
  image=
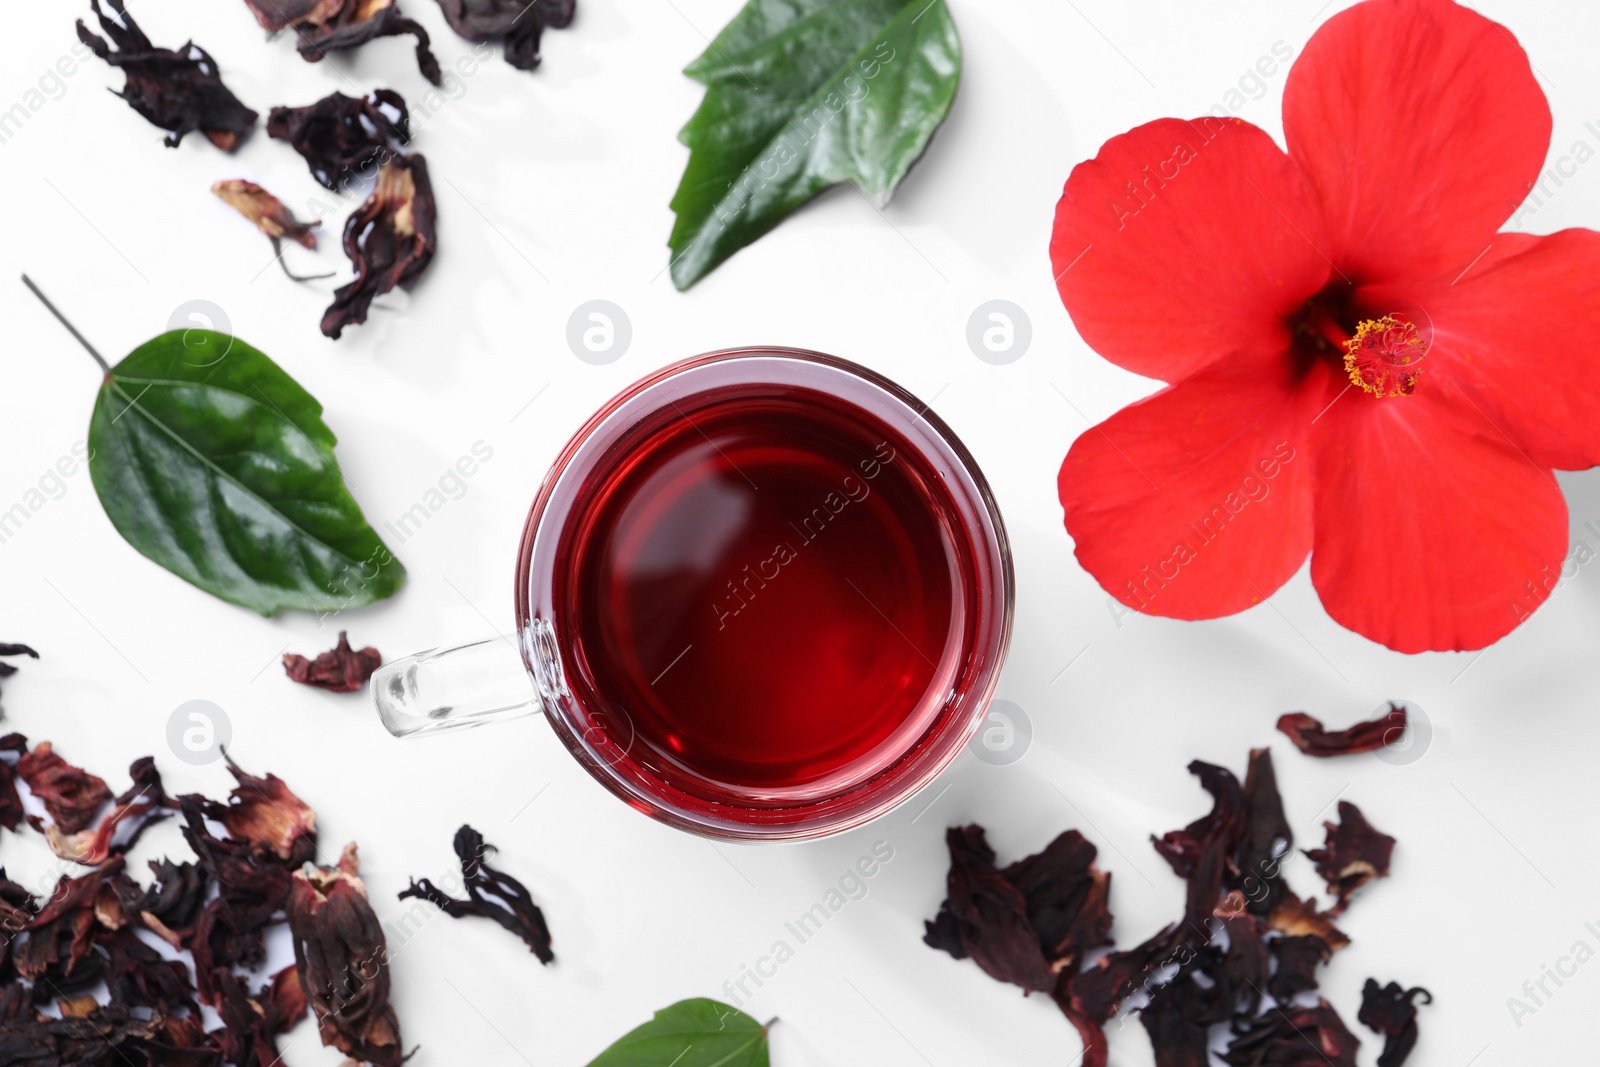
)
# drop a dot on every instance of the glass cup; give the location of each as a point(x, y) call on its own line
point(542, 669)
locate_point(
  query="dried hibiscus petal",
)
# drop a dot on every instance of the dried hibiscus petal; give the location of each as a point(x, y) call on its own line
point(341, 669)
point(1294, 917)
point(1266, 838)
point(334, 25)
point(253, 1023)
point(1243, 956)
point(1238, 972)
point(1294, 1037)
point(1096, 992)
point(1298, 958)
point(58, 955)
point(264, 812)
point(106, 1035)
point(1354, 855)
point(11, 648)
point(179, 91)
point(271, 218)
point(72, 796)
point(390, 239)
point(141, 805)
point(343, 964)
point(985, 917)
point(1201, 852)
point(253, 887)
point(341, 136)
point(170, 906)
point(520, 23)
point(1391, 1011)
point(137, 976)
point(1067, 899)
point(1179, 1018)
point(1310, 737)
point(266, 211)
point(491, 894)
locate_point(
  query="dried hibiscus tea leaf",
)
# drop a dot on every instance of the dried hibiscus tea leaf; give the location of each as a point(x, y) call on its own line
point(180, 91)
point(1180, 1015)
point(491, 894)
point(325, 26)
point(1298, 958)
point(11, 648)
point(1067, 898)
point(137, 976)
point(253, 889)
point(1238, 972)
point(1266, 840)
point(1354, 855)
point(106, 1035)
point(252, 1024)
point(1391, 1010)
point(263, 812)
point(1294, 1037)
point(985, 918)
point(342, 961)
point(1201, 853)
point(390, 240)
point(341, 137)
point(272, 218)
point(520, 23)
point(11, 811)
point(144, 803)
point(1310, 737)
point(341, 669)
point(1294, 917)
point(59, 954)
point(72, 796)
point(266, 211)
point(172, 903)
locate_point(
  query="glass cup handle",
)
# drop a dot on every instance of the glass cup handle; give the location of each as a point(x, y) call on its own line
point(453, 688)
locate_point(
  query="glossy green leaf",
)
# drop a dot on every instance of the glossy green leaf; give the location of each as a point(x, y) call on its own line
point(802, 95)
point(212, 461)
point(691, 1033)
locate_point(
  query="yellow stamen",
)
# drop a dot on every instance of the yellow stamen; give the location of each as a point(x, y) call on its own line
point(1383, 357)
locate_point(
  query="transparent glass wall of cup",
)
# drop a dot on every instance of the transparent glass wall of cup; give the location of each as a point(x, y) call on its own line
point(537, 670)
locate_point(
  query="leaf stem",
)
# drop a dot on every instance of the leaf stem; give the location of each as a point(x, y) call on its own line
point(769, 1023)
point(73, 330)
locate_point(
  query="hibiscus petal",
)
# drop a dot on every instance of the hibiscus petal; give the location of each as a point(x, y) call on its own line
point(1514, 335)
point(1422, 126)
point(1196, 502)
point(1431, 533)
point(1183, 242)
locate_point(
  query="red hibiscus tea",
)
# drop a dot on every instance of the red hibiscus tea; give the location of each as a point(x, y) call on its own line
point(765, 587)
point(775, 598)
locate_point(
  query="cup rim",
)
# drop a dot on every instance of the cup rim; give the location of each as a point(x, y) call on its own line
point(943, 740)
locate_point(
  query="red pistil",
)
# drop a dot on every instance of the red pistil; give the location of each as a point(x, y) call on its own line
point(1383, 356)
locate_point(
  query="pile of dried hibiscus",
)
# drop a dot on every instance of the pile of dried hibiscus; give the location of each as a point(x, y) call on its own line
point(1236, 973)
point(84, 934)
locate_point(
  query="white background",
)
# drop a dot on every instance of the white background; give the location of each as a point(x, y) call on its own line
point(553, 190)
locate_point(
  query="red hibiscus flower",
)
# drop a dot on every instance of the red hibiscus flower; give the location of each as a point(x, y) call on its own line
point(1362, 368)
